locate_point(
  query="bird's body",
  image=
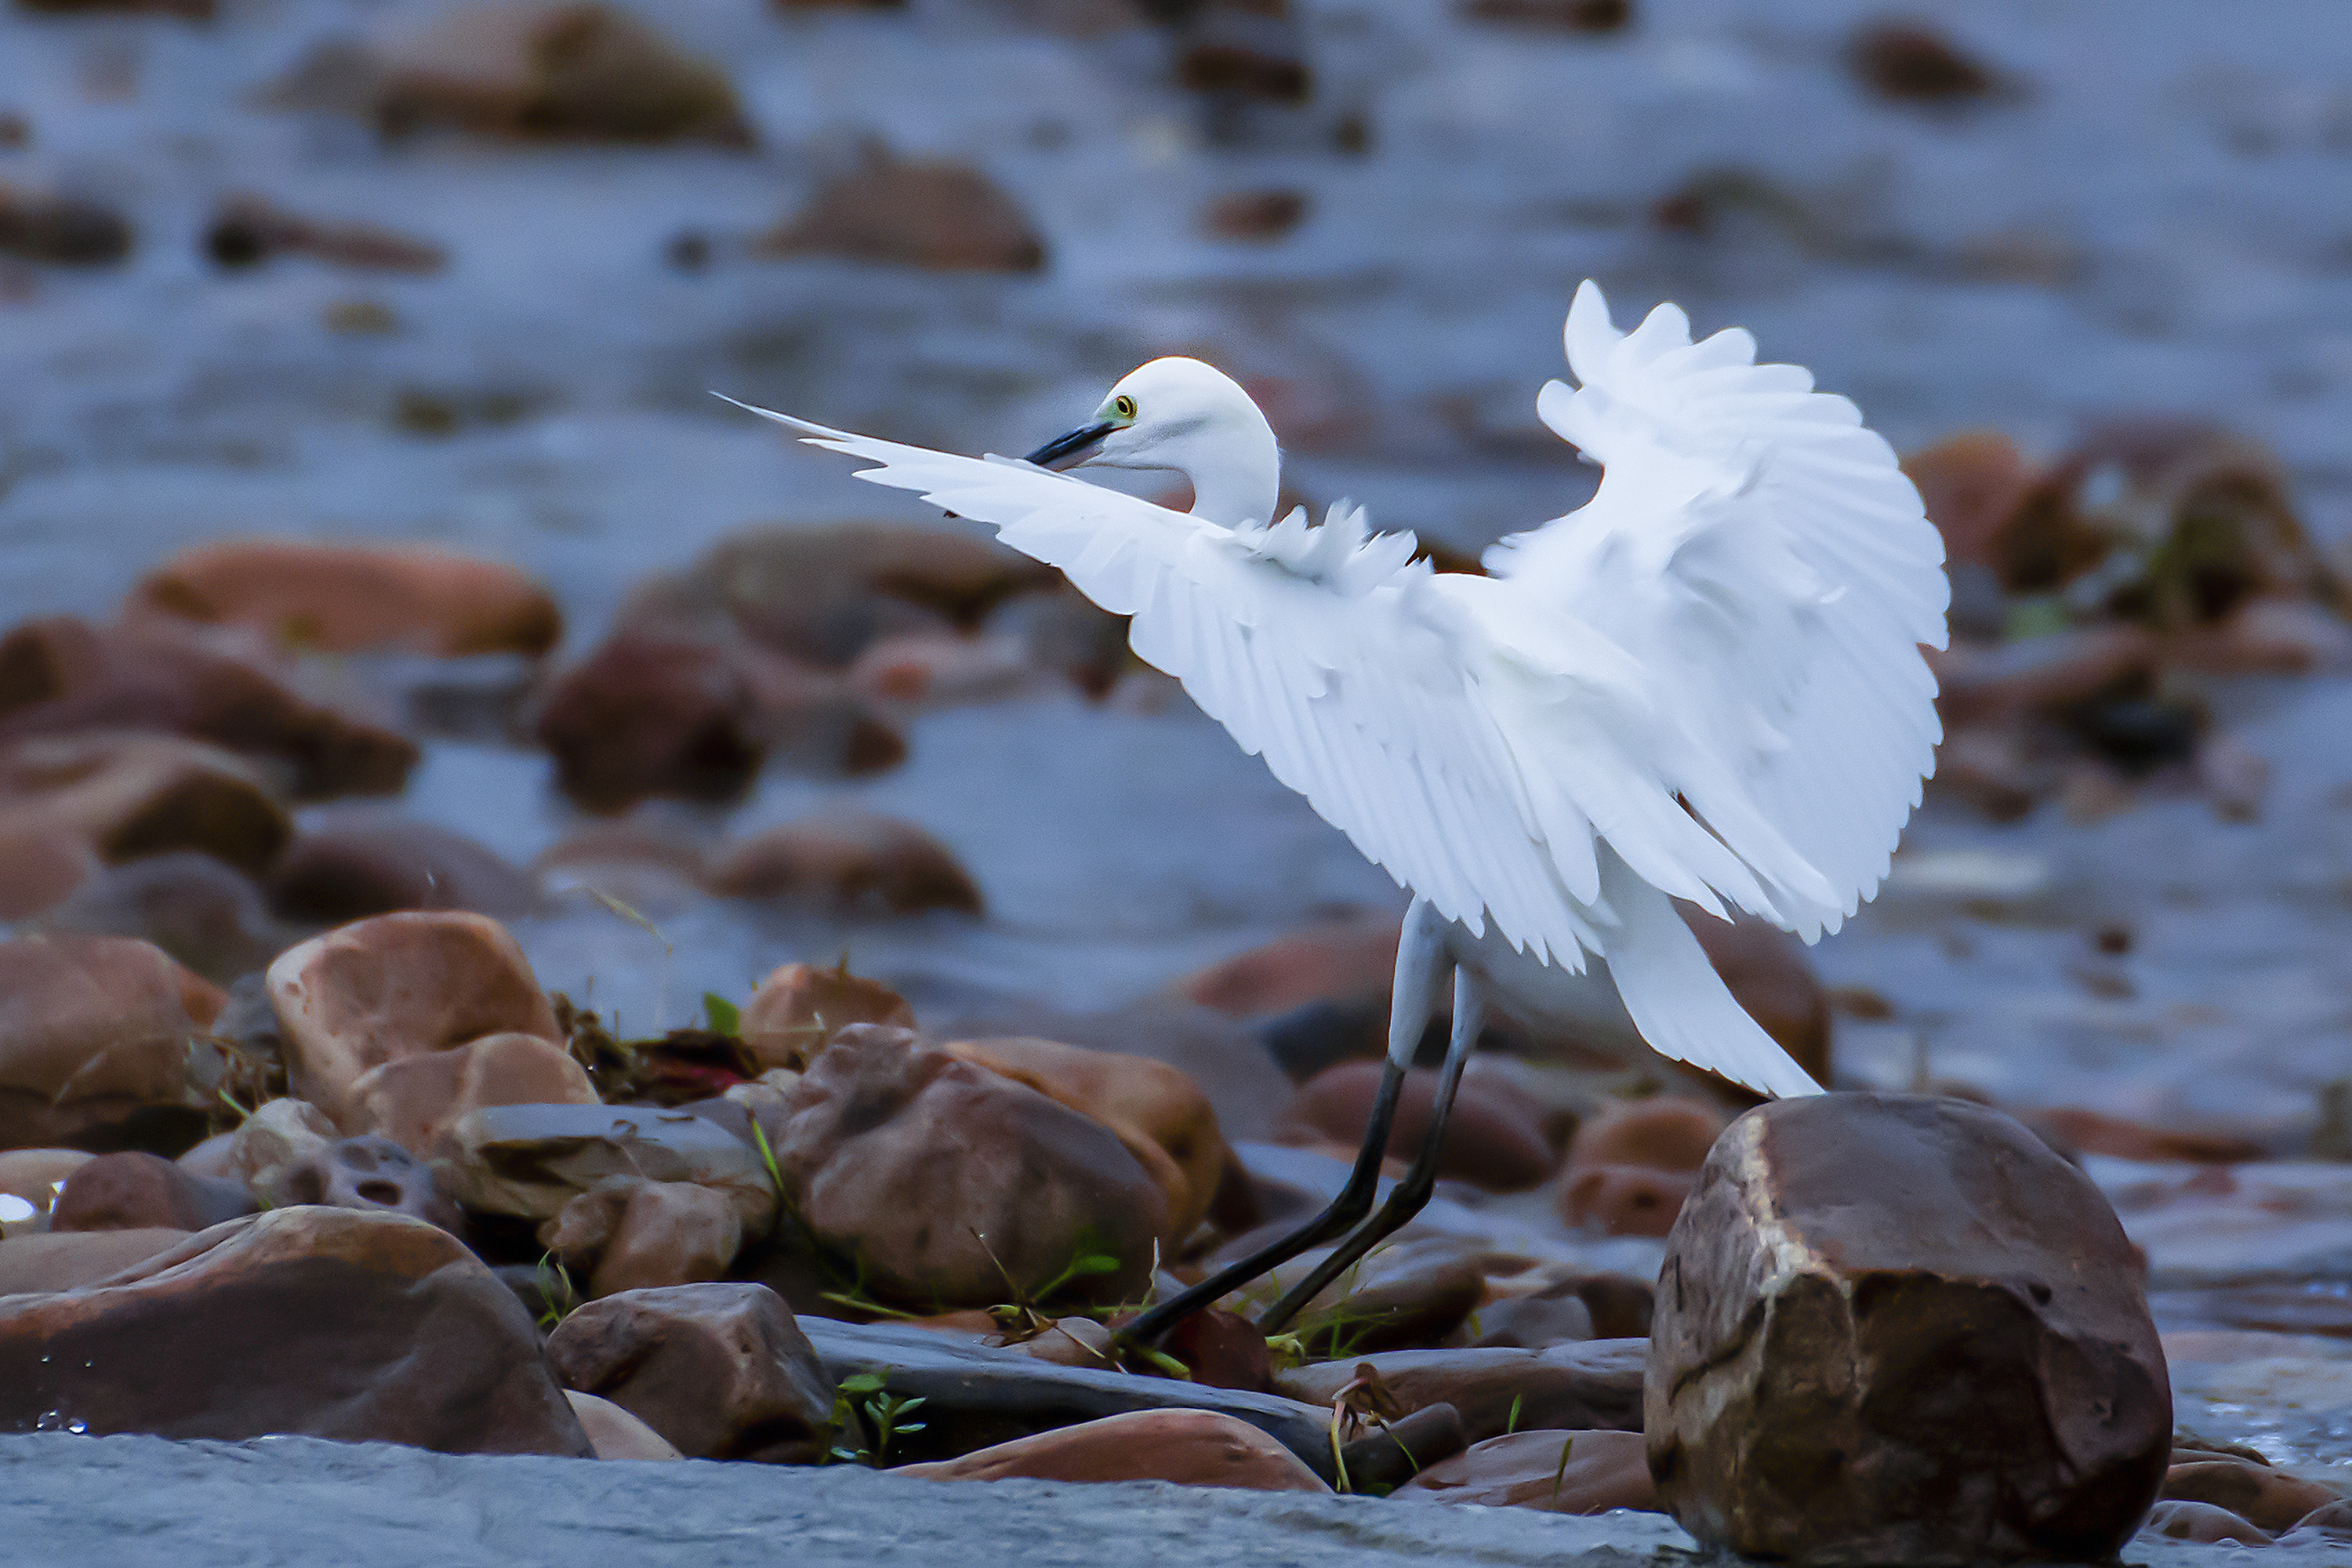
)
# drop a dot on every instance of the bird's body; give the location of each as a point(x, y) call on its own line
point(1704, 684)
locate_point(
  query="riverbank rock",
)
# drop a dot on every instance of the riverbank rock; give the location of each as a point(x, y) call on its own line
point(1562, 1472)
point(799, 1006)
point(614, 1433)
point(101, 1046)
point(721, 1371)
point(360, 866)
point(953, 1186)
point(532, 1160)
point(940, 217)
point(35, 1175)
point(42, 1262)
point(60, 675)
point(1897, 1328)
point(1158, 1111)
point(978, 1395)
point(629, 1234)
point(269, 1143)
point(848, 862)
point(2269, 1499)
point(128, 794)
point(370, 1173)
point(655, 711)
point(414, 1100)
point(1596, 1385)
point(1191, 1447)
point(133, 1190)
point(355, 598)
point(60, 230)
point(1490, 1140)
point(1629, 1168)
point(522, 69)
point(393, 986)
point(319, 1322)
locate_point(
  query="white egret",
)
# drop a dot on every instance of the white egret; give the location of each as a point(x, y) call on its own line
point(1704, 684)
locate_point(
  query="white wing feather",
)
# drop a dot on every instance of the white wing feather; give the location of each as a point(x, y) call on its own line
point(1705, 683)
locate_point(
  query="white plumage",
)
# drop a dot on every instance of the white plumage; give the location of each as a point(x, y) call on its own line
point(1705, 683)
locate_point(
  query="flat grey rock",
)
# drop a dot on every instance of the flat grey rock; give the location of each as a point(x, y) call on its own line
point(994, 1396)
point(145, 1502)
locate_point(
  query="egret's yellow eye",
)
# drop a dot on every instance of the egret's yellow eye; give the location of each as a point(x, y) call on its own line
point(1123, 405)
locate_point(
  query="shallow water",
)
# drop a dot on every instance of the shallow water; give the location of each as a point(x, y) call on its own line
point(2148, 221)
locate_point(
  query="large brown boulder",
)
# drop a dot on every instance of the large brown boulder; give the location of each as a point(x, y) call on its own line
point(353, 598)
point(319, 1322)
point(953, 1184)
point(1894, 1329)
point(393, 986)
point(60, 676)
point(102, 1045)
point(721, 1370)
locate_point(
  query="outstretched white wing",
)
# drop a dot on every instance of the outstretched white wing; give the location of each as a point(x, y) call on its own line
point(1323, 650)
point(1760, 560)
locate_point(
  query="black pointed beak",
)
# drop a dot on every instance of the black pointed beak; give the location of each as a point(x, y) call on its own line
point(1071, 445)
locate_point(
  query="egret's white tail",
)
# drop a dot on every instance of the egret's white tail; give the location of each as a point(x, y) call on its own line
point(1678, 1002)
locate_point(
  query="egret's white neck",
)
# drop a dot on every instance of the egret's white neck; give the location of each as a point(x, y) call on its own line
point(1237, 476)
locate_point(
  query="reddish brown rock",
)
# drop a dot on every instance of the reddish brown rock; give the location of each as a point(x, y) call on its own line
point(535, 68)
point(1411, 1292)
point(2269, 1499)
point(2330, 1522)
point(414, 1100)
point(374, 1174)
point(133, 1190)
point(321, 1322)
point(953, 1184)
point(1338, 960)
point(1560, 1472)
point(626, 861)
point(533, 1161)
point(1191, 1448)
point(1158, 1111)
point(65, 231)
point(268, 1144)
point(61, 676)
point(1595, 1385)
point(721, 1371)
point(1255, 215)
point(1913, 63)
point(1622, 1200)
point(1490, 1140)
point(353, 598)
point(1899, 1328)
point(100, 1044)
point(1629, 1169)
point(1564, 15)
point(1573, 1306)
point(941, 216)
point(799, 1006)
point(207, 915)
point(39, 869)
point(357, 867)
point(632, 1235)
point(128, 794)
point(393, 986)
point(614, 1434)
point(850, 862)
point(40, 1262)
point(657, 712)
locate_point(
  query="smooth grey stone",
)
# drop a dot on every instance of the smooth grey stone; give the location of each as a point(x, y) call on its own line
point(978, 1395)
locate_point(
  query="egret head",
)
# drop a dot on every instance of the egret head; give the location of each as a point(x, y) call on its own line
point(1184, 415)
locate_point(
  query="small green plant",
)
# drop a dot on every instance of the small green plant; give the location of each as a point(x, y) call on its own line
point(1561, 1474)
point(559, 1297)
point(1511, 1423)
point(862, 1402)
point(723, 1016)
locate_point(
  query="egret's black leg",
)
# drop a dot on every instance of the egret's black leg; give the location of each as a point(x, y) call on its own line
point(1421, 959)
point(1412, 1193)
